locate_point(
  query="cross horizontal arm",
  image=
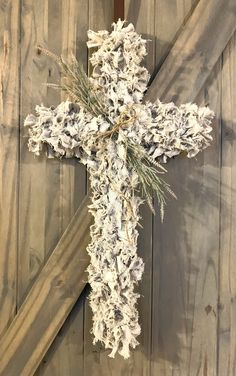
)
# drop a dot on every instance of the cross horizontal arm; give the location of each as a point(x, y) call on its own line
point(167, 130)
point(56, 289)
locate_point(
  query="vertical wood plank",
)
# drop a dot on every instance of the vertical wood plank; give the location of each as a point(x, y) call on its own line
point(170, 17)
point(185, 257)
point(66, 354)
point(34, 182)
point(227, 262)
point(73, 177)
point(185, 291)
point(203, 350)
point(39, 225)
point(9, 157)
point(185, 260)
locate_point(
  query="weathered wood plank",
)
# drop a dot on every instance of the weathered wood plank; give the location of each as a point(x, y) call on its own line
point(184, 286)
point(39, 227)
point(39, 178)
point(49, 301)
point(54, 335)
point(227, 256)
point(170, 17)
point(185, 263)
point(65, 356)
point(195, 51)
point(9, 157)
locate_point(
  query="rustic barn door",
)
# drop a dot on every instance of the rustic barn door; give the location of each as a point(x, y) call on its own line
point(188, 304)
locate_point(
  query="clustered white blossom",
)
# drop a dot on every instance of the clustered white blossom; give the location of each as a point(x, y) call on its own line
point(165, 130)
point(161, 130)
point(117, 72)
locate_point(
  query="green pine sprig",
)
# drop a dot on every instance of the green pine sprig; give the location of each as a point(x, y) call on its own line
point(76, 84)
point(149, 172)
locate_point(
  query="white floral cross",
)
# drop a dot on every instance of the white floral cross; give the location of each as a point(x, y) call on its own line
point(160, 131)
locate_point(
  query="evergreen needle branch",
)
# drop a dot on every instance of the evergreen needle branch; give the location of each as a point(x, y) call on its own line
point(76, 84)
point(148, 172)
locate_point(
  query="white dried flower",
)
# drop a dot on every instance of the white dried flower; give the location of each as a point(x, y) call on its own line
point(117, 72)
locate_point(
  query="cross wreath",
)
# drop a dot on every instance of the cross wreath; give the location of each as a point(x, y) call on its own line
point(123, 142)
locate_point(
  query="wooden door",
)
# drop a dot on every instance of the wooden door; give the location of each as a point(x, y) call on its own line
point(188, 305)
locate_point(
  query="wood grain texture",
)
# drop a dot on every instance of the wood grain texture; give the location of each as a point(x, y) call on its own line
point(49, 301)
point(39, 178)
point(39, 193)
point(227, 256)
point(9, 157)
point(188, 330)
point(178, 344)
point(192, 57)
point(66, 353)
point(185, 260)
point(170, 18)
point(47, 208)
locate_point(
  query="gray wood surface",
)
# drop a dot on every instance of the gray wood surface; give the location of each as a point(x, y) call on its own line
point(9, 157)
point(227, 255)
point(185, 278)
point(66, 353)
point(187, 311)
point(174, 280)
point(49, 302)
point(196, 51)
